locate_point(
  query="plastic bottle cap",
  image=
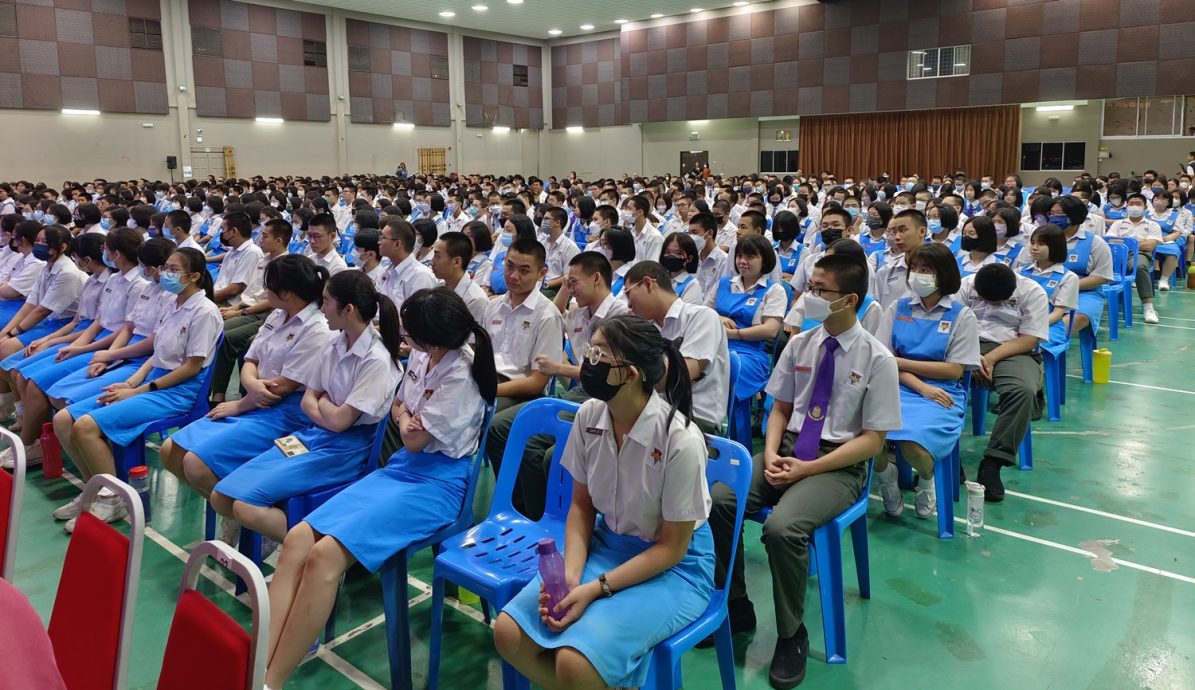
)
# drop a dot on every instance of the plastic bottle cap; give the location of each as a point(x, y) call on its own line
point(545, 546)
point(139, 472)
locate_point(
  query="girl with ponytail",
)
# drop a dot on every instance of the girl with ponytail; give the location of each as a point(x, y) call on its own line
point(439, 411)
point(636, 543)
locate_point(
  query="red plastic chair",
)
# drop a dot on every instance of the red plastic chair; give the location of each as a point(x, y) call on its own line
point(92, 623)
point(12, 488)
point(232, 656)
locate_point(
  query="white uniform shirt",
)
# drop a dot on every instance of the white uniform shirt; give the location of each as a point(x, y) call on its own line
point(24, 272)
point(8, 260)
point(966, 265)
point(481, 274)
point(890, 281)
point(963, 346)
point(190, 330)
point(149, 308)
point(648, 242)
point(189, 243)
point(692, 292)
point(704, 341)
point(774, 304)
point(1066, 288)
point(580, 322)
point(1146, 229)
point(58, 287)
point(363, 376)
point(521, 334)
point(559, 253)
point(239, 266)
point(709, 270)
point(330, 260)
point(475, 298)
point(96, 228)
point(866, 392)
point(405, 278)
point(658, 475)
point(93, 293)
point(292, 349)
point(255, 291)
point(375, 276)
point(447, 401)
point(1025, 313)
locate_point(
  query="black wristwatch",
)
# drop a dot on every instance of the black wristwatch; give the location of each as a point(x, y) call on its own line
point(153, 386)
point(606, 591)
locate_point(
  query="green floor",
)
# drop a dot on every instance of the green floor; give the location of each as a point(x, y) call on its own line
point(1024, 606)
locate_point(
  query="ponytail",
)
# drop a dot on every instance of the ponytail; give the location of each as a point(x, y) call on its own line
point(484, 373)
point(677, 386)
point(389, 326)
point(207, 284)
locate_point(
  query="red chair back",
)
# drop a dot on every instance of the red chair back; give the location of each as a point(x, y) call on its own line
point(6, 509)
point(201, 625)
point(12, 487)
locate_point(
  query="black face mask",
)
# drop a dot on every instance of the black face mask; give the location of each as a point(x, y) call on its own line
point(973, 244)
point(672, 263)
point(875, 223)
point(594, 381)
point(784, 236)
point(829, 237)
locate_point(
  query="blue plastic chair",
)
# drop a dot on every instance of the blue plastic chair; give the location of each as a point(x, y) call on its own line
point(946, 473)
point(1127, 274)
point(394, 572)
point(1115, 290)
point(1053, 356)
point(825, 546)
point(979, 409)
point(133, 455)
point(738, 411)
point(730, 464)
point(496, 559)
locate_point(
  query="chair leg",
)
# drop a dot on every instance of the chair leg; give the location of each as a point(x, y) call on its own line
point(663, 673)
point(433, 652)
point(956, 464)
point(209, 522)
point(829, 581)
point(945, 483)
point(1061, 374)
point(1053, 403)
point(1128, 305)
point(862, 558)
point(250, 547)
point(1114, 318)
point(398, 624)
point(725, 647)
point(512, 679)
point(1026, 451)
point(1086, 353)
point(979, 410)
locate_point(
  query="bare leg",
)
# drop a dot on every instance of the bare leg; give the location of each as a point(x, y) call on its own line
point(269, 522)
point(64, 429)
point(325, 564)
point(573, 671)
point(9, 347)
point(37, 411)
point(1169, 265)
point(172, 459)
point(520, 651)
point(199, 475)
point(90, 441)
point(221, 503)
point(287, 577)
point(918, 458)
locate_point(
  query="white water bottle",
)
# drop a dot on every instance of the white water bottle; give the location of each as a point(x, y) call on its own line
point(974, 509)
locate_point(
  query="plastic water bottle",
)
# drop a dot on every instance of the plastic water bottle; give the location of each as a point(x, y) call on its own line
point(551, 569)
point(139, 480)
point(51, 452)
point(974, 509)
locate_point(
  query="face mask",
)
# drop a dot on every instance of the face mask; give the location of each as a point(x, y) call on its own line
point(39, 216)
point(159, 195)
point(175, 206)
point(660, 208)
point(28, 215)
point(970, 243)
point(923, 284)
point(604, 252)
point(899, 208)
point(818, 308)
point(1001, 231)
point(131, 223)
point(109, 262)
point(594, 381)
point(672, 263)
point(545, 227)
point(1114, 201)
point(356, 256)
point(875, 223)
point(495, 210)
point(908, 186)
point(451, 208)
point(628, 217)
point(854, 211)
point(831, 236)
point(506, 239)
point(920, 205)
point(935, 226)
point(699, 241)
point(985, 185)
point(41, 251)
point(154, 232)
point(1060, 221)
point(472, 212)
point(1136, 211)
point(171, 283)
point(145, 273)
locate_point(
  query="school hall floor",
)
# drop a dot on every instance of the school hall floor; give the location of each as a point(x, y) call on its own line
point(1027, 605)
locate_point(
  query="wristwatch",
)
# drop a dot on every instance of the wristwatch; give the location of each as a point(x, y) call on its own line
point(606, 591)
point(153, 385)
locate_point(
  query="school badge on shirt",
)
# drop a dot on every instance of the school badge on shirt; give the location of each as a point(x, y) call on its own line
point(751, 301)
point(943, 326)
point(656, 456)
point(526, 325)
point(854, 378)
point(427, 394)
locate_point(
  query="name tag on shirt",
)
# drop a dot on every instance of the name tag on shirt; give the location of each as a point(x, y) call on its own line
point(268, 326)
point(804, 370)
point(594, 430)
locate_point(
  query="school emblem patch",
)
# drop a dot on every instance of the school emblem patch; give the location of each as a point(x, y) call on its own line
point(427, 394)
point(855, 377)
point(1051, 283)
point(943, 326)
point(656, 456)
point(526, 325)
point(290, 337)
point(816, 413)
point(1073, 258)
point(751, 301)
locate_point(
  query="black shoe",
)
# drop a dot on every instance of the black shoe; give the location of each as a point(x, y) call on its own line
point(989, 476)
point(788, 662)
point(741, 613)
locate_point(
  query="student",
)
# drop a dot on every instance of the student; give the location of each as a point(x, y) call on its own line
point(367, 254)
point(1166, 210)
point(1148, 236)
point(322, 239)
point(588, 283)
point(480, 266)
point(22, 272)
point(177, 227)
point(942, 223)
point(638, 220)
point(703, 345)
point(449, 257)
point(890, 281)
point(1012, 312)
point(935, 339)
point(835, 225)
point(638, 463)
point(869, 311)
point(347, 394)
point(240, 262)
point(785, 229)
point(836, 396)
point(560, 248)
point(163, 386)
point(703, 227)
point(426, 232)
point(292, 343)
point(679, 256)
point(978, 245)
point(1007, 223)
point(439, 409)
point(618, 246)
point(879, 214)
point(53, 299)
point(1047, 249)
point(405, 275)
point(524, 326)
point(751, 222)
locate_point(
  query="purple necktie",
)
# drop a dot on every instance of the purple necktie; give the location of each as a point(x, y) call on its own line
point(819, 406)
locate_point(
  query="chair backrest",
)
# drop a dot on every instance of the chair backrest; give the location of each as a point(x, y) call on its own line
point(465, 518)
point(730, 464)
point(232, 658)
point(735, 367)
point(1120, 259)
point(92, 622)
point(12, 488)
point(200, 408)
point(536, 418)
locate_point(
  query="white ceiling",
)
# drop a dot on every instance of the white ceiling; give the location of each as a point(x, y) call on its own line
point(532, 18)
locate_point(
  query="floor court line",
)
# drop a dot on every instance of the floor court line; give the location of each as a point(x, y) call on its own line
point(1102, 513)
point(1139, 385)
point(354, 674)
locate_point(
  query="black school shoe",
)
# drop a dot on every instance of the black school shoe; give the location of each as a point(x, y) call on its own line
point(788, 661)
point(741, 613)
point(989, 476)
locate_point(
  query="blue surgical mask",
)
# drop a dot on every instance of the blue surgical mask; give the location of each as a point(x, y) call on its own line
point(1060, 221)
point(106, 223)
point(171, 283)
point(853, 210)
point(935, 226)
point(109, 262)
point(154, 232)
point(39, 215)
point(41, 251)
point(507, 239)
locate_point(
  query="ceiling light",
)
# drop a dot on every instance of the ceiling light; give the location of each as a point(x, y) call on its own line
point(960, 64)
point(657, 15)
point(574, 129)
point(695, 10)
point(447, 14)
point(621, 21)
point(480, 8)
point(270, 120)
point(587, 27)
point(404, 125)
point(514, 2)
point(79, 111)
point(740, 3)
point(503, 130)
point(554, 32)
point(1054, 108)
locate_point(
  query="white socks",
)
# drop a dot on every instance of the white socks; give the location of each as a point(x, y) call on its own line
point(20, 410)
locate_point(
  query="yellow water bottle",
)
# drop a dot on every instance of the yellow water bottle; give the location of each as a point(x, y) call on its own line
point(1101, 365)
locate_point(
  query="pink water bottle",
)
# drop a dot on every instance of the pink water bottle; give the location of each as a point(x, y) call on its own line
point(551, 569)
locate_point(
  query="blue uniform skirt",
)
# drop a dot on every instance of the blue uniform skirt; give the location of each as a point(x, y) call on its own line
point(77, 386)
point(43, 370)
point(226, 444)
point(332, 458)
point(755, 366)
point(46, 327)
point(1091, 305)
point(9, 309)
point(928, 424)
point(19, 361)
point(124, 421)
point(407, 501)
point(617, 634)
point(1171, 248)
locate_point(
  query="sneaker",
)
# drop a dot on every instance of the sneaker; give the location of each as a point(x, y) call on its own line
point(894, 503)
point(1151, 314)
point(1164, 285)
point(926, 500)
point(106, 508)
point(788, 661)
point(32, 457)
point(230, 531)
point(70, 510)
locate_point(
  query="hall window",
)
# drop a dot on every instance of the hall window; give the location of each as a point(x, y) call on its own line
point(931, 63)
point(520, 75)
point(1055, 155)
point(315, 54)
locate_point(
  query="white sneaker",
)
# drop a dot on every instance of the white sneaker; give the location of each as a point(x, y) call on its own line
point(1151, 314)
point(230, 531)
point(1164, 285)
point(70, 510)
point(926, 500)
point(894, 503)
point(107, 508)
point(32, 457)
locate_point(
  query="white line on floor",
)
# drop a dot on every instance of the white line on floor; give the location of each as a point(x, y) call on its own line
point(1039, 432)
point(1101, 513)
point(347, 670)
point(1140, 385)
point(1184, 328)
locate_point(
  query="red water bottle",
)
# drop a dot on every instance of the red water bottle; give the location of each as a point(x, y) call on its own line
point(551, 570)
point(51, 452)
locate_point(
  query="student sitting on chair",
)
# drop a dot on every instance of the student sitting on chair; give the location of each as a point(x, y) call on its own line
point(240, 263)
point(560, 249)
point(367, 254)
point(23, 271)
point(513, 228)
point(836, 396)
point(638, 554)
point(934, 338)
point(875, 239)
point(978, 245)
point(1012, 312)
point(1047, 247)
point(166, 385)
point(703, 339)
point(1087, 256)
point(347, 395)
point(1007, 223)
point(291, 344)
point(1148, 236)
point(618, 246)
point(480, 266)
point(836, 224)
point(703, 228)
point(679, 256)
point(322, 240)
point(405, 276)
point(751, 224)
point(942, 222)
point(890, 276)
point(450, 255)
point(439, 411)
point(869, 311)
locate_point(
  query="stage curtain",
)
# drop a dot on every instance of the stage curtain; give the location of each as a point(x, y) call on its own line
point(928, 142)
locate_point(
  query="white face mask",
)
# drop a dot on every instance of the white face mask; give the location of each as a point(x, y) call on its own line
point(356, 254)
point(603, 251)
point(627, 216)
point(923, 284)
point(899, 208)
point(920, 205)
point(819, 308)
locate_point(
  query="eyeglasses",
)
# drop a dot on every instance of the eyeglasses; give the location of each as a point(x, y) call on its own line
point(817, 291)
point(594, 354)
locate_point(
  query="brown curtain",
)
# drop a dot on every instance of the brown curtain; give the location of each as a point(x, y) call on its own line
point(981, 141)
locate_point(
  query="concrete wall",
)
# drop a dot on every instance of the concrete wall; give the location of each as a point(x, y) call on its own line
point(733, 145)
point(52, 147)
point(1080, 124)
point(595, 153)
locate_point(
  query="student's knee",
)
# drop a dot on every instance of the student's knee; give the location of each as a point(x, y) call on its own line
point(221, 503)
point(196, 471)
point(325, 561)
point(725, 501)
point(780, 530)
point(173, 464)
point(11, 347)
point(572, 668)
point(508, 636)
point(86, 428)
